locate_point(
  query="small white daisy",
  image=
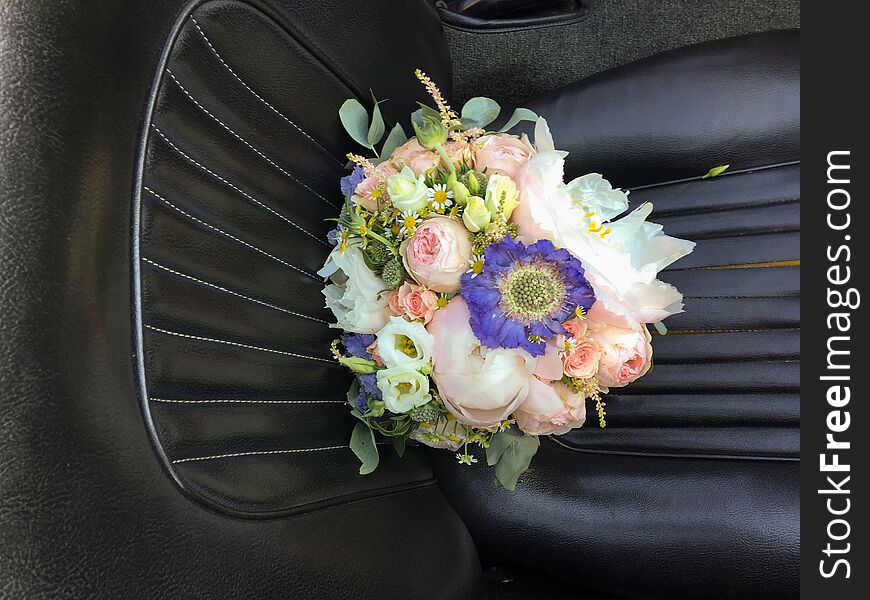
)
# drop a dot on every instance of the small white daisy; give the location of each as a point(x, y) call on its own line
point(440, 197)
point(475, 265)
point(410, 220)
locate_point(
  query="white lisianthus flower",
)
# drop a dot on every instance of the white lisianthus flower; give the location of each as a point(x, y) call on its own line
point(354, 296)
point(407, 191)
point(594, 194)
point(405, 344)
point(403, 388)
point(501, 193)
point(622, 263)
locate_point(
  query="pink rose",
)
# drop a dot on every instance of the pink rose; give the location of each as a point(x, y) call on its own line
point(625, 345)
point(480, 386)
point(414, 301)
point(419, 159)
point(365, 194)
point(437, 255)
point(550, 408)
point(502, 153)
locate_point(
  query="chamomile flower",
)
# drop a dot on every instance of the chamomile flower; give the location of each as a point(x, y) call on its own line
point(440, 197)
point(475, 265)
point(465, 459)
point(410, 220)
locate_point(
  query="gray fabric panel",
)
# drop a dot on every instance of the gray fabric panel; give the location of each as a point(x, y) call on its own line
point(515, 65)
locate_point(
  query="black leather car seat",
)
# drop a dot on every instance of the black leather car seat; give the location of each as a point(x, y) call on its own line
point(692, 490)
point(171, 424)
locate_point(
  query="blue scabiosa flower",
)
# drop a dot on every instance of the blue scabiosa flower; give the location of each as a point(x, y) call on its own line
point(349, 182)
point(523, 294)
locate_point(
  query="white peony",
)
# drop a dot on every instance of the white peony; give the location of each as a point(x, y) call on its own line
point(621, 264)
point(403, 388)
point(594, 194)
point(354, 296)
point(402, 343)
point(407, 191)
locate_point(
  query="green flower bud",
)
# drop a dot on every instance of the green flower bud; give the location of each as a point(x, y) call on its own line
point(430, 132)
point(476, 182)
point(460, 192)
point(476, 215)
point(393, 273)
point(359, 365)
point(376, 408)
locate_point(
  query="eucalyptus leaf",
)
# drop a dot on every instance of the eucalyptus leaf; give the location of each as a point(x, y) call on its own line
point(520, 114)
point(362, 442)
point(353, 393)
point(499, 443)
point(716, 171)
point(355, 119)
point(376, 130)
point(399, 444)
point(479, 112)
point(396, 138)
point(515, 460)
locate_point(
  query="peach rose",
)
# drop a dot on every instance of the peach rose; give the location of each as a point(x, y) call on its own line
point(414, 301)
point(502, 153)
point(363, 195)
point(550, 408)
point(411, 154)
point(437, 254)
point(583, 354)
point(480, 386)
point(626, 349)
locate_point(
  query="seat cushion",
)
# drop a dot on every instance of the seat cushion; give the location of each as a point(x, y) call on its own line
point(138, 463)
point(692, 489)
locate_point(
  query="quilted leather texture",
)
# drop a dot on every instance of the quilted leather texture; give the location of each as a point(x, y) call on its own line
point(240, 177)
point(87, 510)
point(692, 489)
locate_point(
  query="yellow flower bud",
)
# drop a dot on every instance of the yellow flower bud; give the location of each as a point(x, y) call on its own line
point(476, 215)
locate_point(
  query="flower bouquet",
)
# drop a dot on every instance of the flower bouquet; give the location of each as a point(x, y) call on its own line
point(483, 299)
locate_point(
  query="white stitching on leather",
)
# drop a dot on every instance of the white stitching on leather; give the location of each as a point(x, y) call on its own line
point(245, 142)
point(260, 453)
point(239, 190)
point(257, 96)
point(229, 235)
point(223, 289)
point(170, 401)
point(239, 345)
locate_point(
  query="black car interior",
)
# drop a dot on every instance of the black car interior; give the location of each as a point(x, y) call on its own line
point(171, 422)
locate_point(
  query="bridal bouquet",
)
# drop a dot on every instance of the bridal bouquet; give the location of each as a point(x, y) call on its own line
point(483, 300)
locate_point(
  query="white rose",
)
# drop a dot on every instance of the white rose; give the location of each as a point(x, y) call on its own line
point(407, 191)
point(354, 296)
point(403, 389)
point(402, 343)
point(501, 193)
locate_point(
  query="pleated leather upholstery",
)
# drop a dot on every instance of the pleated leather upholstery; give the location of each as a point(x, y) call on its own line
point(241, 172)
point(725, 381)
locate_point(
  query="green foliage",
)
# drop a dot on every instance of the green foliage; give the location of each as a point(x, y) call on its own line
point(355, 119)
point(520, 114)
point(396, 138)
point(716, 171)
point(362, 442)
point(511, 452)
point(479, 112)
point(376, 130)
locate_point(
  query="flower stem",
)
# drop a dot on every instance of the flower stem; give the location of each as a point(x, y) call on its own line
point(446, 158)
point(382, 239)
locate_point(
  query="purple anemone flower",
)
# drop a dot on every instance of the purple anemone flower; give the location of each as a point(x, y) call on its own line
point(524, 294)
